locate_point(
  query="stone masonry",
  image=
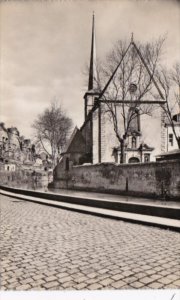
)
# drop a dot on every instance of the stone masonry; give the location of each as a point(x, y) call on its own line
point(148, 179)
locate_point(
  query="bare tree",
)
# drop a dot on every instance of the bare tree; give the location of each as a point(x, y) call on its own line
point(175, 77)
point(128, 79)
point(169, 81)
point(52, 129)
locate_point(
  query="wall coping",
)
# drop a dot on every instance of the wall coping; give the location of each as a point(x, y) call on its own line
point(153, 163)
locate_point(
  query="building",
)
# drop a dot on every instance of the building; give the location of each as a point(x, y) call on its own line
point(14, 149)
point(173, 154)
point(96, 141)
point(170, 139)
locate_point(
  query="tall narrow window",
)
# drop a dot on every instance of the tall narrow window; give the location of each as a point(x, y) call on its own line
point(171, 139)
point(133, 142)
point(67, 164)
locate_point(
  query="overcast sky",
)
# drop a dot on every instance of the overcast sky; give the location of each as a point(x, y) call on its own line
point(45, 46)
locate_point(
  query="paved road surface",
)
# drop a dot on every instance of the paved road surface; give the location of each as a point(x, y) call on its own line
point(46, 248)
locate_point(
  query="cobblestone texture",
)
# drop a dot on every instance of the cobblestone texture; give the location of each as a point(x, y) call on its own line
point(46, 248)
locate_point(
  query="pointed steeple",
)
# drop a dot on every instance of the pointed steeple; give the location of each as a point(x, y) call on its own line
point(93, 84)
point(93, 66)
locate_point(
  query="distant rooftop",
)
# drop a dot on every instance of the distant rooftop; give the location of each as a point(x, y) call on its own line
point(173, 154)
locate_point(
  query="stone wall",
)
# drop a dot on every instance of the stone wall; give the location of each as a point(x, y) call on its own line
point(152, 131)
point(108, 137)
point(95, 144)
point(155, 179)
point(25, 179)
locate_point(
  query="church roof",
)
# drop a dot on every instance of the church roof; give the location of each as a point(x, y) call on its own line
point(76, 142)
point(71, 139)
point(133, 46)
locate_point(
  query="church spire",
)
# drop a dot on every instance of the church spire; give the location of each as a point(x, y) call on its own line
point(92, 67)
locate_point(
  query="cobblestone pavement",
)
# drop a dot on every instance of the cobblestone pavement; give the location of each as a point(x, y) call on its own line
point(44, 248)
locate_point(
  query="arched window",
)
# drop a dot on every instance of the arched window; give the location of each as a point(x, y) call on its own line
point(133, 142)
point(146, 157)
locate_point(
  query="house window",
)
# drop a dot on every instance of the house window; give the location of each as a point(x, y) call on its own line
point(146, 157)
point(171, 139)
point(133, 142)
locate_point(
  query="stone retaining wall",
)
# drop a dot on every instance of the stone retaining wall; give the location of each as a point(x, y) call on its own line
point(24, 179)
point(155, 179)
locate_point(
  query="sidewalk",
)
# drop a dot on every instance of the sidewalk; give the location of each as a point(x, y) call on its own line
point(119, 198)
point(152, 212)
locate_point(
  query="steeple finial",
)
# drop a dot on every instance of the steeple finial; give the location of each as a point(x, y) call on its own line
point(132, 37)
point(92, 67)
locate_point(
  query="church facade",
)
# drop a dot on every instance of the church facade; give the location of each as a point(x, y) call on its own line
point(116, 127)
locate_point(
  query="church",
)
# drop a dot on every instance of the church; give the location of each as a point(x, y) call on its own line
point(122, 123)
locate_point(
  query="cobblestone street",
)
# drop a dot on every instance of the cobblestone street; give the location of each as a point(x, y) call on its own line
point(46, 248)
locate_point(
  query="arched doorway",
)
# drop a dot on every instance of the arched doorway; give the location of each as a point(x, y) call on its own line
point(134, 160)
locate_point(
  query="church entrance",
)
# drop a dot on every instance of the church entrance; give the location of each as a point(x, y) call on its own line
point(134, 160)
